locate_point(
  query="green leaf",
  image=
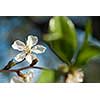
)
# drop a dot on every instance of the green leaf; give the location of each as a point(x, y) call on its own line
point(88, 31)
point(87, 53)
point(48, 76)
point(62, 37)
point(88, 27)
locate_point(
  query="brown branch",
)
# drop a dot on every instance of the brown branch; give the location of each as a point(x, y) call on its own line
point(9, 71)
point(24, 68)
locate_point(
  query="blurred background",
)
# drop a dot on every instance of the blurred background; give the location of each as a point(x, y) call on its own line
point(12, 28)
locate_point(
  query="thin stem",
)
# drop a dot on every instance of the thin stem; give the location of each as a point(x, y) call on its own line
point(40, 68)
point(9, 71)
point(20, 62)
point(36, 67)
point(24, 68)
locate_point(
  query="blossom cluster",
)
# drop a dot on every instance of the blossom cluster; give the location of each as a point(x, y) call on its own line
point(27, 51)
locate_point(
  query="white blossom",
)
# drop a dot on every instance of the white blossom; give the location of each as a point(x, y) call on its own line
point(27, 49)
point(75, 77)
point(28, 78)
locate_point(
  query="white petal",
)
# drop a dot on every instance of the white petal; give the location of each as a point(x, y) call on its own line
point(38, 49)
point(30, 58)
point(29, 77)
point(79, 80)
point(18, 45)
point(69, 78)
point(16, 79)
point(32, 40)
point(20, 56)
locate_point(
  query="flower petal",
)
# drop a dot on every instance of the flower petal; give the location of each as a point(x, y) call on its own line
point(16, 79)
point(32, 40)
point(76, 77)
point(18, 45)
point(30, 58)
point(20, 56)
point(29, 77)
point(38, 49)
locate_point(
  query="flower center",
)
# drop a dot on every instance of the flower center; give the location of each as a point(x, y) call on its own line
point(27, 50)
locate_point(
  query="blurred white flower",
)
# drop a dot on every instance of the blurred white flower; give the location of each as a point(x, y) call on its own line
point(75, 77)
point(27, 49)
point(28, 78)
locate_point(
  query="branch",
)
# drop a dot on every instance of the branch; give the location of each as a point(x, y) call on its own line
point(24, 68)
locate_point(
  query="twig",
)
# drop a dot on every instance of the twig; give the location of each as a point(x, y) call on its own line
point(24, 68)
